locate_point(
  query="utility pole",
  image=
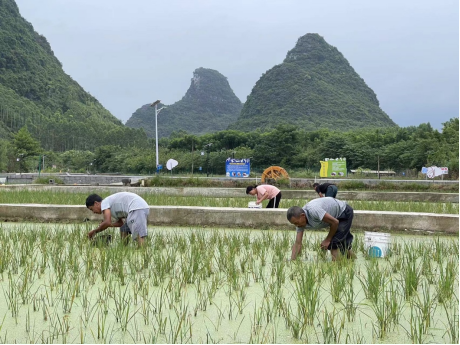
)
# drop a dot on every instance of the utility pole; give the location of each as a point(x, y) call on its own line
point(157, 111)
point(192, 156)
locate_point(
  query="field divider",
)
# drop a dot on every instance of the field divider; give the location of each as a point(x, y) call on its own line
point(229, 217)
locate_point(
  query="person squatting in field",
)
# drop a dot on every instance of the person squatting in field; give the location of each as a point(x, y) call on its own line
point(320, 213)
point(119, 206)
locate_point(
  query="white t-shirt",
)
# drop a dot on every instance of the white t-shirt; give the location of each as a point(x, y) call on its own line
point(122, 203)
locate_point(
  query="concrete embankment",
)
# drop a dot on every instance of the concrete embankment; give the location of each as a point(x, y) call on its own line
point(240, 192)
point(236, 217)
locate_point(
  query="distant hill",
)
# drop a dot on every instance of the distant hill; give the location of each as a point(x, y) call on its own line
point(36, 92)
point(209, 105)
point(315, 87)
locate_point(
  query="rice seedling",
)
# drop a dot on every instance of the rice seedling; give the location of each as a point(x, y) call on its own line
point(79, 301)
point(331, 328)
point(416, 327)
point(426, 306)
point(452, 329)
point(410, 274)
point(306, 293)
point(349, 296)
point(339, 279)
point(373, 281)
point(446, 281)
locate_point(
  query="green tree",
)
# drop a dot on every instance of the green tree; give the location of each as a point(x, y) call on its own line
point(24, 147)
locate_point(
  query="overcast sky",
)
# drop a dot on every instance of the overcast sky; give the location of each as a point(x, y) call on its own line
point(129, 53)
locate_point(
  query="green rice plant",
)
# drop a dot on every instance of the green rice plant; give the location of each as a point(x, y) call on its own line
point(426, 306)
point(11, 296)
point(180, 328)
point(373, 281)
point(339, 279)
point(439, 251)
point(410, 274)
point(428, 270)
point(5, 249)
point(395, 302)
point(161, 323)
point(122, 301)
point(331, 328)
point(452, 321)
point(268, 307)
point(306, 292)
point(69, 294)
point(382, 315)
point(24, 283)
point(88, 310)
point(296, 323)
point(416, 326)
point(446, 281)
point(349, 295)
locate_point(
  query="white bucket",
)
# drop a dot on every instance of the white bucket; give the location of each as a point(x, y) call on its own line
point(252, 204)
point(377, 244)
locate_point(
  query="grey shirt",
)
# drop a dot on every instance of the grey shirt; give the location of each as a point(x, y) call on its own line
point(121, 204)
point(316, 209)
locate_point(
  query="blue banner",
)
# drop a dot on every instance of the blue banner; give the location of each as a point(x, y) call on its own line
point(237, 167)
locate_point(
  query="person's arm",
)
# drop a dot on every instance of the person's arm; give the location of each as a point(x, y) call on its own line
point(107, 222)
point(119, 223)
point(265, 196)
point(297, 247)
point(333, 225)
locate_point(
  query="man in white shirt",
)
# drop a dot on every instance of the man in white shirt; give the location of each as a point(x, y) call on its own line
point(119, 206)
point(320, 213)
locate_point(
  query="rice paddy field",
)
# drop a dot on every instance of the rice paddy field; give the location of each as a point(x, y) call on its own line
point(191, 285)
point(62, 198)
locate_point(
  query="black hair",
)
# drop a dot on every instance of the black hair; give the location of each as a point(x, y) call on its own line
point(249, 188)
point(294, 211)
point(315, 186)
point(92, 199)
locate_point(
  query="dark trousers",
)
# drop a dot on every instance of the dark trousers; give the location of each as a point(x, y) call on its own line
point(275, 202)
point(343, 238)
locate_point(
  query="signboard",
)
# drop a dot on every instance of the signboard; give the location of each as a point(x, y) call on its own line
point(332, 167)
point(433, 171)
point(237, 167)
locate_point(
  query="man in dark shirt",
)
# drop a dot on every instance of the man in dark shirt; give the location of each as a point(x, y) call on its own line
point(325, 189)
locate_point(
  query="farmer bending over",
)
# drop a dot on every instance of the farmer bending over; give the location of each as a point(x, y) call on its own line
point(119, 206)
point(325, 189)
point(320, 213)
point(265, 191)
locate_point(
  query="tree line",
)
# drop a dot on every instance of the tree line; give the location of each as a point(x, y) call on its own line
point(294, 149)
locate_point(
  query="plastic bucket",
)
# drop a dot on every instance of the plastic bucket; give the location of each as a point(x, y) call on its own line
point(377, 244)
point(252, 204)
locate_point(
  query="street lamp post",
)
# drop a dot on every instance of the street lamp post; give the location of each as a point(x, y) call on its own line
point(154, 104)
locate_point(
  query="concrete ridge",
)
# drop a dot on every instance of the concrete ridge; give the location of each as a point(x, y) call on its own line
point(237, 217)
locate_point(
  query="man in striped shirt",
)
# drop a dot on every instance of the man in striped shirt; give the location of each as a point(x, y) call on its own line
point(321, 213)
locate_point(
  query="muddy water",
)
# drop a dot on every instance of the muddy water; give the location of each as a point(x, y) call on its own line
point(57, 288)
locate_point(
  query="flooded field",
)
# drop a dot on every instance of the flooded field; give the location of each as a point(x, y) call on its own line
point(194, 285)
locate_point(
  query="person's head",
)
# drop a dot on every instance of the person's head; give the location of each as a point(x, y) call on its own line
point(251, 190)
point(315, 187)
point(93, 203)
point(296, 216)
